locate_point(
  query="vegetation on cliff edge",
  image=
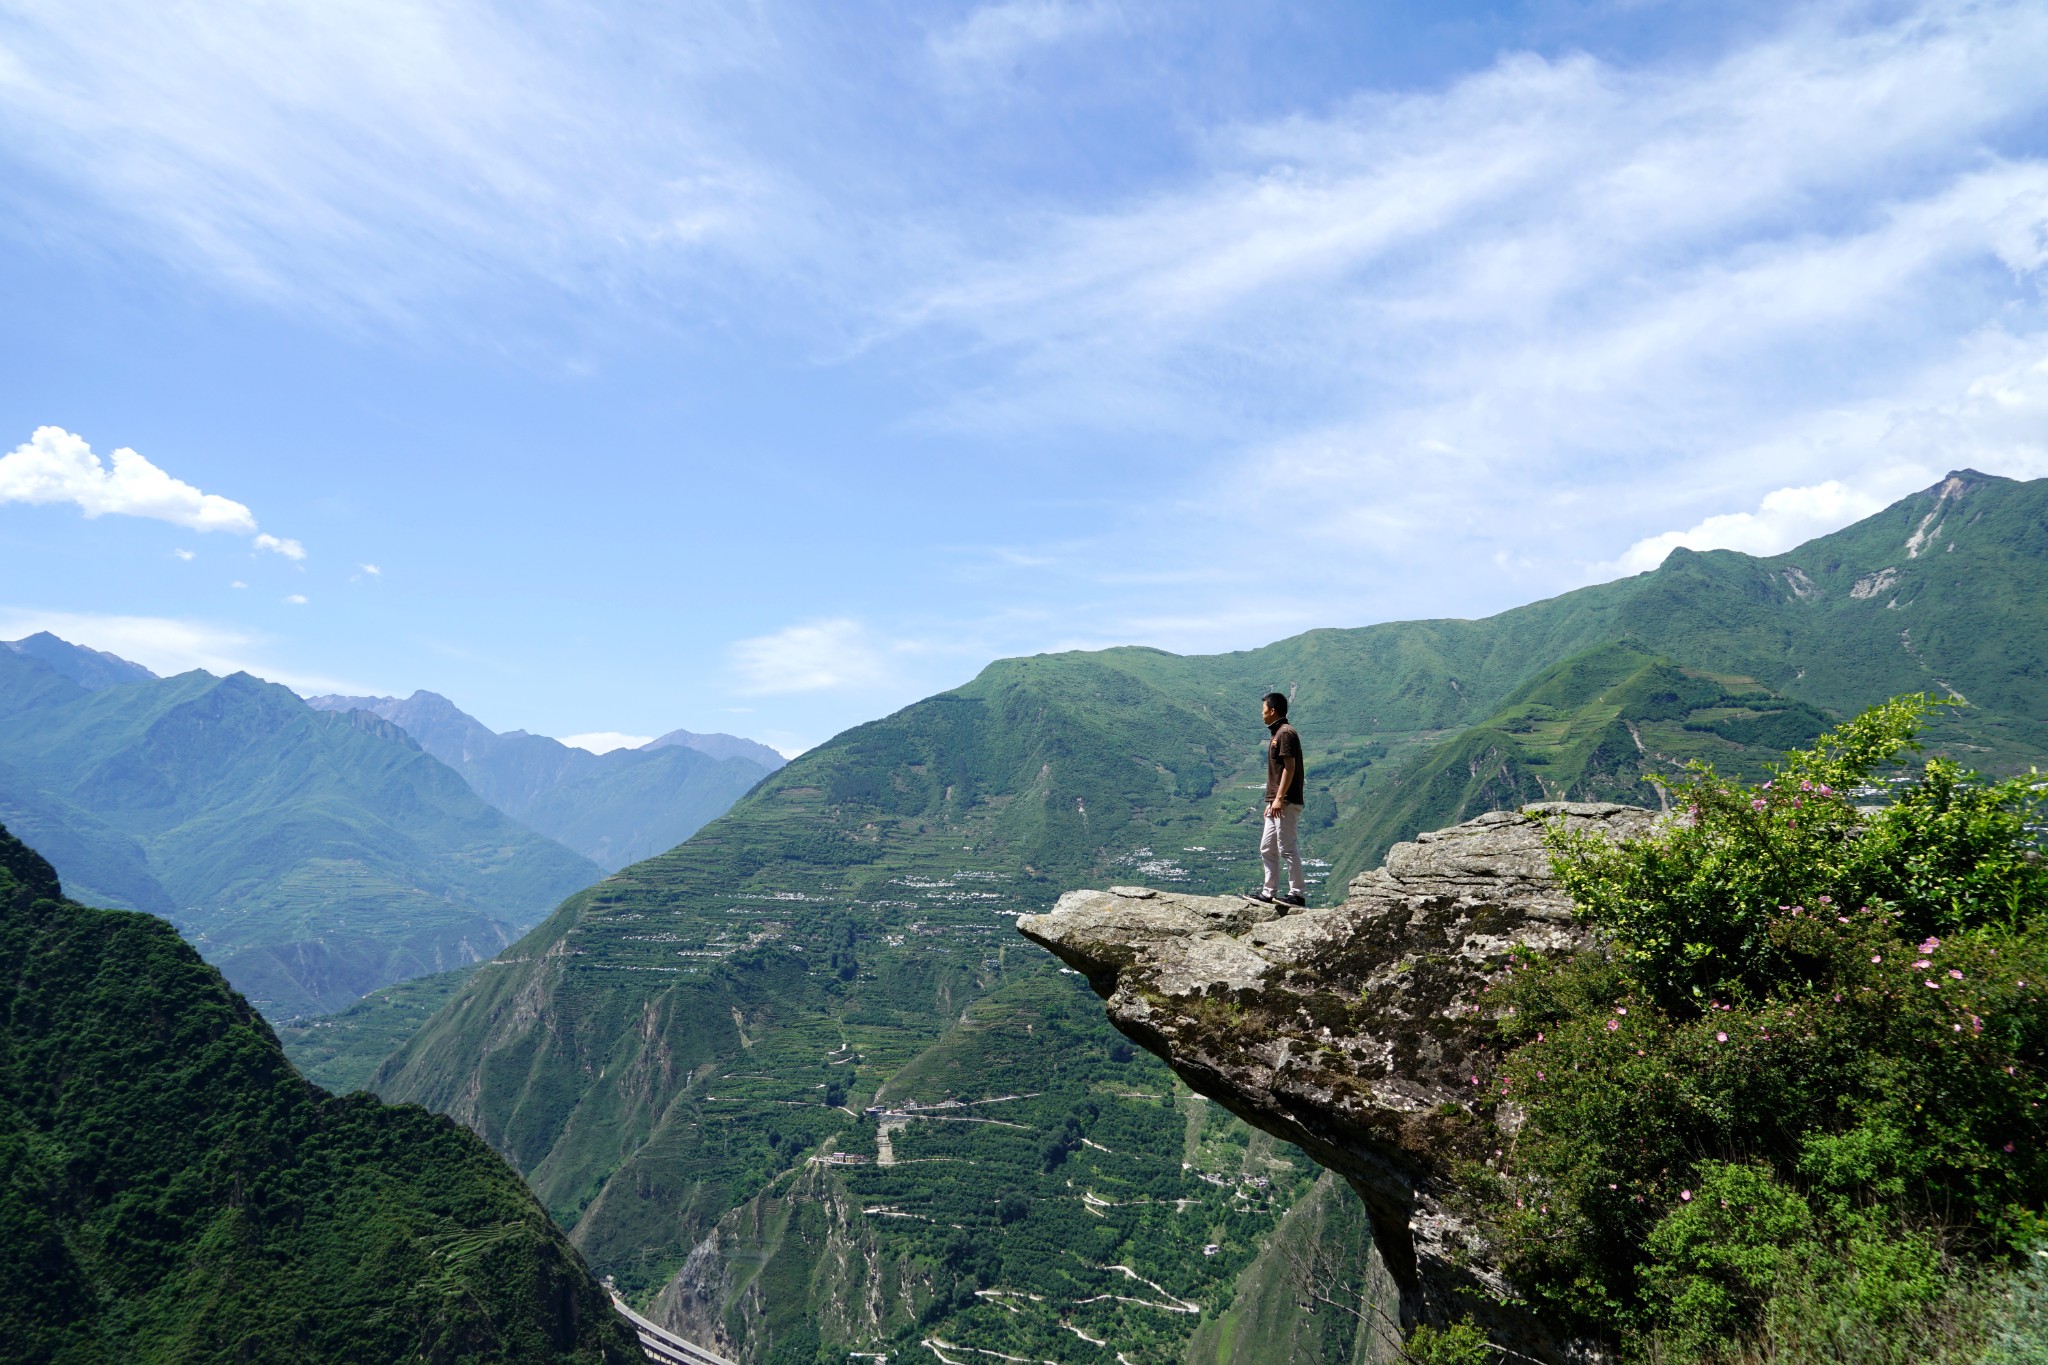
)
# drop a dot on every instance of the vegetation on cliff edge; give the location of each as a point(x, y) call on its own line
point(1809, 1073)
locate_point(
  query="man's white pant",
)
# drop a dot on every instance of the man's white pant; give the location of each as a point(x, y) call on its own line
point(1282, 840)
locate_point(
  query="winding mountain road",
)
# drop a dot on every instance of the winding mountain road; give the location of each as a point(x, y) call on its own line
point(665, 1346)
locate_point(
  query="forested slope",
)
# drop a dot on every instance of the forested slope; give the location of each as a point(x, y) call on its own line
point(171, 1190)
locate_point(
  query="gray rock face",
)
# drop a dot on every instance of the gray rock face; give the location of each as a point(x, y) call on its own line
point(1355, 1031)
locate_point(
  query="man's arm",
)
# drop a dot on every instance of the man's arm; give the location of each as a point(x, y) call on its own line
point(1290, 766)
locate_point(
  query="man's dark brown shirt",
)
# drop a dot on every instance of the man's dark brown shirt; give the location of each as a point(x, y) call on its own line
point(1286, 744)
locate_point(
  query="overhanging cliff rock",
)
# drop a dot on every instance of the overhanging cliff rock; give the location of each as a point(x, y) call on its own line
point(1355, 1031)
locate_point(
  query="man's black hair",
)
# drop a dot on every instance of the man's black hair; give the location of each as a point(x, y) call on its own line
point(1278, 701)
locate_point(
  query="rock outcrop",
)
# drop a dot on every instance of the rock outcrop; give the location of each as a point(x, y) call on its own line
point(1357, 1031)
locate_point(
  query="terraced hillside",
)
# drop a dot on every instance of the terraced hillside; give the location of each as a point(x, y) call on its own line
point(673, 1056)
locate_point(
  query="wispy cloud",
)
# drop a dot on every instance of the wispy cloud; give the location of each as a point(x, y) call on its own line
point(994, 36)
point(1528, 313)
point(815, 656)
point(369, 155)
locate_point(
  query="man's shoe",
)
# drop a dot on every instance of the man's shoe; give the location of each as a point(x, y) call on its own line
point(1262, 895)
point(1293, 898)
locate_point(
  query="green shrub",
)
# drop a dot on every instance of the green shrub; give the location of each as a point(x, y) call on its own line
point(1461, 1343)
point(1816, 1036)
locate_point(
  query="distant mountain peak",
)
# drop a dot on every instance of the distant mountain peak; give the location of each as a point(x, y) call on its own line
point(721, 746)
point(92, 669)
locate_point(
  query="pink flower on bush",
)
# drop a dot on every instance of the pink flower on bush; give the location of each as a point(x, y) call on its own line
point(1720, 1037)
point(1686, 1195)
point(1621, 1009)
point(1875, 959)
point(1827, 900)
point(1954, 975)
point(1922, 965)
point(1932, 985)
point(1930, 944)
point(2008, 1146)
point(1757, 803)
point(1613, 1024)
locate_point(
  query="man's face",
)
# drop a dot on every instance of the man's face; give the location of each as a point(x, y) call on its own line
point(1267, 713)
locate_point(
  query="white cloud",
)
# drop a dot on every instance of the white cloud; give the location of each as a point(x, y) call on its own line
point(171, 645)
point(185, 555)
point(604, 741)
point(817, 656)
point(1786, 517)
point(372, 570)
point(297, 599)
point(238, 583)
point(996, 35)
point(54, 466)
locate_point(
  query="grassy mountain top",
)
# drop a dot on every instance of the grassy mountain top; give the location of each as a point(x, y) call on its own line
point(91, 669)
point(1596, 727)
point(171, 1189)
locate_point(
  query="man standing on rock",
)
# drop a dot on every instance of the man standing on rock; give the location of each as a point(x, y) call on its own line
point(1283, 805)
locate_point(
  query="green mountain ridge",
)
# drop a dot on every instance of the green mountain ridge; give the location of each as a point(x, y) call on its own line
point(658, 1056)
point(312, 856)
point(1596, 727)
point(91, 669)
point(170, 1189)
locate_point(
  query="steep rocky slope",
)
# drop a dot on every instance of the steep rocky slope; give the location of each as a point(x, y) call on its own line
point(1359, 1032)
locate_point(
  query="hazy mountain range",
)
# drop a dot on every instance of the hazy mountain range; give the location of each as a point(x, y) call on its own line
point(613, 808)
point(669, 1057)
point(316, 853)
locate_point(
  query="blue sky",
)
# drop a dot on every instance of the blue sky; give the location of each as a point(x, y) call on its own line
point(763, 367)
